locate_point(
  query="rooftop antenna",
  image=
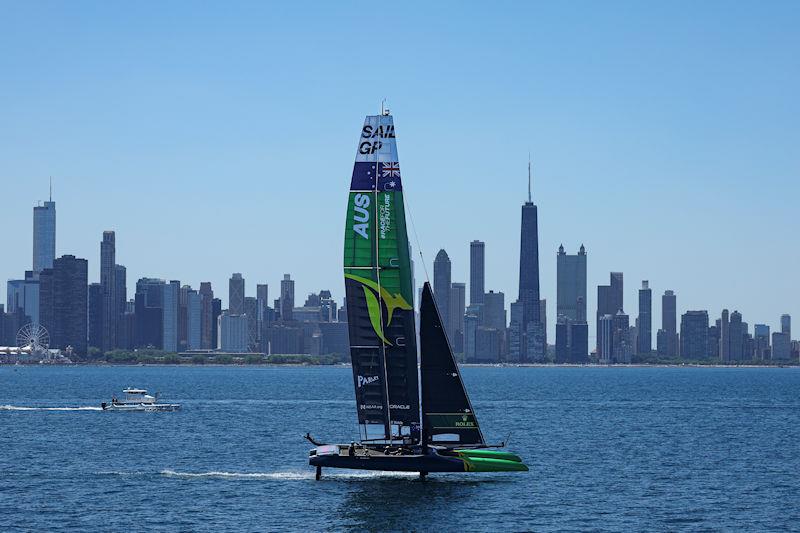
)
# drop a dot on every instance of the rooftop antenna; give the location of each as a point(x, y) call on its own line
point(529, 177)
point(384, 109)
point(51, 188)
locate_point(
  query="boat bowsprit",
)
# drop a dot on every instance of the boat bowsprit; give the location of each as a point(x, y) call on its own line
point(414, 414)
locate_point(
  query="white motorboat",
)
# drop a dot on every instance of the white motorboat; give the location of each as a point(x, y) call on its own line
point(138, 400)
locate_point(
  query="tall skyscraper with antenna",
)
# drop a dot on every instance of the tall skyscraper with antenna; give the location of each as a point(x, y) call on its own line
point(533, 342)
point(44, 234)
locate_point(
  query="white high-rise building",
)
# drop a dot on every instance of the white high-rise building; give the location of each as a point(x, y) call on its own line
point(232, 333)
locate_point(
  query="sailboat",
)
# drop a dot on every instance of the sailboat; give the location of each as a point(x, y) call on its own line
point(411, 418)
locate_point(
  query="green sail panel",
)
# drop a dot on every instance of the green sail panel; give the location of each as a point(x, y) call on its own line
point(378, 287)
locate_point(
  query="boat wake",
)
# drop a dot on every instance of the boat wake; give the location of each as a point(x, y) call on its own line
point(294, 475)
point(23, 408)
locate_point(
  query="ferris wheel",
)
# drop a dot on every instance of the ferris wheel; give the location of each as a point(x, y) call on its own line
point(33, 336)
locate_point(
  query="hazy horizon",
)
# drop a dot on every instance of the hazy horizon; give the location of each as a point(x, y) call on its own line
point(220, 139)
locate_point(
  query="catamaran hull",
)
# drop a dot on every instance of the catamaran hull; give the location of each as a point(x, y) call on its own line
point(336, 456)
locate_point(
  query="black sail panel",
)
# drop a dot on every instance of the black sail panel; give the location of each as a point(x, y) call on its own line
point(447, 414)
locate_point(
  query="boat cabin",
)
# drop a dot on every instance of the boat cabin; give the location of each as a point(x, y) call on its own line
point(135, 396)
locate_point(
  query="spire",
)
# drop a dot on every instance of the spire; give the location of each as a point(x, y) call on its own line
point(51, 188)
point(529, 177)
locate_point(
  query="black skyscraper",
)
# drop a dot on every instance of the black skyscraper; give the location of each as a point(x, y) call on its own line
point(149, 313)
point(63, 303)
point(529, 262)
point(532, 341)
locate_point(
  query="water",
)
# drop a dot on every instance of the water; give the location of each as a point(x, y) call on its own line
point(609, 448)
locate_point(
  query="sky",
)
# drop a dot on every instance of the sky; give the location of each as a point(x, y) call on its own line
point(219, 137)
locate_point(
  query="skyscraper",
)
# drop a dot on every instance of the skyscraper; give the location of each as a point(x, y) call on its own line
point(216, 312)
point(208, 323)
point(441, 286)
point(22, 296)
point(121, 292)
point(149, 310)
point(457, 309)
point(232, 333)
point(63, 303)
point(786, 325)
point(669, 331)
point(44, 235)
point(194, 312)
point(95, 315)
point(170, 301)
point(262, 297)
point(251, 310)
point(108, 284)
point(609, 301)
point(529, 271)
point(761, 341)
point(694, 335)
point(737, 331)
point(477, 271)
point(724, 338)
point(494, 310)
point(287, 298)
point(236, 294)
point(571, 285)
point(645, 328)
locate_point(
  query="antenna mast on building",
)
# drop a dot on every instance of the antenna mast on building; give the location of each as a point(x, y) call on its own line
point(529, 177)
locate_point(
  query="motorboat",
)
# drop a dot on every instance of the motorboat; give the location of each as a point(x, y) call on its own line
point(138, 400)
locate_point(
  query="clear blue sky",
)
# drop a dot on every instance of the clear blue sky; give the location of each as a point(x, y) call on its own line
point(218, 138)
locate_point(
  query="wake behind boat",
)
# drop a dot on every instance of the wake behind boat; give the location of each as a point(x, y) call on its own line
point(138, 400)
point(398, 432)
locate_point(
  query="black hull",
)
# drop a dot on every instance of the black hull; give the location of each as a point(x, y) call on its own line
point(430, 462)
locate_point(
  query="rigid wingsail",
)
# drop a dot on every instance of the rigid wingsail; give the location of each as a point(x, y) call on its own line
point(397, 431)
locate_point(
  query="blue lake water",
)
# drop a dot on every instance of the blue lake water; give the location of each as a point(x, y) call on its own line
point(609, 448)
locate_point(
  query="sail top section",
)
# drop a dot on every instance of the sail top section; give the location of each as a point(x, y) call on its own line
point(377, 166)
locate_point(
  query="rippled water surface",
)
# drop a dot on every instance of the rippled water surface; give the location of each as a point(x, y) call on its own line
point(609, 448)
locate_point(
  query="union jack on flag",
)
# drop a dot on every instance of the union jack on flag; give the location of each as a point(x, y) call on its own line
point(391, 170)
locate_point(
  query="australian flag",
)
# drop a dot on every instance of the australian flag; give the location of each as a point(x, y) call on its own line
point(367, 176)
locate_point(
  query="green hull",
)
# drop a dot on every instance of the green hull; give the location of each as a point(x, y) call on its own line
point(482, 464)
point(489, 454)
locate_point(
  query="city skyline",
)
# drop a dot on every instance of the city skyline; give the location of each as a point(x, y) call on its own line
point(677, 166)
point(240, 291)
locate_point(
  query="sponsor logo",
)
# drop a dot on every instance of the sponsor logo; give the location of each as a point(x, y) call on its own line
point(384, 132)
point(400, 407)
point(369, 147)
point(385, 215)
point(366, 406)
point(376, 298)
point(374, 134)
point(465, 422)
point(366, 380)
point(361, 214)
